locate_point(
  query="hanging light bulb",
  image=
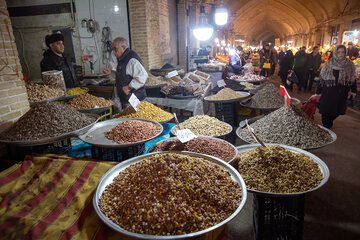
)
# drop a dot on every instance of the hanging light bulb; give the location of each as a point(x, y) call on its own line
point(221, 15)
point(203, 31)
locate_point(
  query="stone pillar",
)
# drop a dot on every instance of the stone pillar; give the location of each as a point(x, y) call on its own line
point(182, 32)
point(13, 96)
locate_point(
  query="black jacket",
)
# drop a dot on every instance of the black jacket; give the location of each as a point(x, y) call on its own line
point(122, 79)
point(51, 61)
point(314, 62)
point(286, 64)
point(236, 64)
point(354, 52)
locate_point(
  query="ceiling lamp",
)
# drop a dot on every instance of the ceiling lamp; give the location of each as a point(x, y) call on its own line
point(203, 31)
point(221, 15)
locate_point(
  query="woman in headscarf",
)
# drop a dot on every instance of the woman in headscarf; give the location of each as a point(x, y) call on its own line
point(286, 64)
point(337, 78)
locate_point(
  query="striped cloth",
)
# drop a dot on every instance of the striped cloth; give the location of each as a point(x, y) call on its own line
point(50, 197)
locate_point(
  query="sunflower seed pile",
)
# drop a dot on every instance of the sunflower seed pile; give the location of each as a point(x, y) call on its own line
point(47, 119)
point(267, 96)
point(289, 126)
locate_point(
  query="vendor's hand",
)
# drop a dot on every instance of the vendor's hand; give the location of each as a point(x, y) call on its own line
point(107, 71)
point(126, 90)
point(351, 94)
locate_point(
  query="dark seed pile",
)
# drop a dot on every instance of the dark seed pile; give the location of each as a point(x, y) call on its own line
point(267, 96)
point(288, 126)
point(47, 119)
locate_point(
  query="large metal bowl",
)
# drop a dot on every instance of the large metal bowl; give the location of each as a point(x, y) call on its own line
point(332, 134)
point(49, 140)
point(218, 136)
point(47, 100)
point(243, 94)
point(213, 138)
point(323, 168)
point(95, 110)
point(96, 135)
point(114, 171)
point(65, 98)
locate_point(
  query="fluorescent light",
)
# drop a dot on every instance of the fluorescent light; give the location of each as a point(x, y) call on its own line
point(203, 31)
point(221, 14)
point(216, 40)
point(116, 8)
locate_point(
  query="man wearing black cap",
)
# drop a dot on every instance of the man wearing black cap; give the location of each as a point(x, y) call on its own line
point(54, 60)
point(352, 51)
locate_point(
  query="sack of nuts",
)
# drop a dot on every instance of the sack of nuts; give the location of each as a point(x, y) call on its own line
point(54, 78)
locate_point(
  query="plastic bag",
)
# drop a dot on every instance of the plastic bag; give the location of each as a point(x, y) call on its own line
point(292, 78)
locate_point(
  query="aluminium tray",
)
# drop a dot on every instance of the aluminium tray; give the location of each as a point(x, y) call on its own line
point(59, 98)
point(219, 136)
point(108, 177)
point(95, 110)
point(322, 166)
point(332, 134)
point(50, 140)
point(244, 96)
point(293, 101)
point(215, 139)
point(96, 135)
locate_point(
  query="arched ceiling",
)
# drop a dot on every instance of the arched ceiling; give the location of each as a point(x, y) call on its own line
point(263, 19)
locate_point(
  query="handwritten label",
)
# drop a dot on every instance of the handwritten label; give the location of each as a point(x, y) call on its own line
point(134, 101)
point(221, 83)
point(172, 74)
point(185, 135)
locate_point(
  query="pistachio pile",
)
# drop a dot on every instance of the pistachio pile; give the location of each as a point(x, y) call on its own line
point(204, 125)
point(40, 92)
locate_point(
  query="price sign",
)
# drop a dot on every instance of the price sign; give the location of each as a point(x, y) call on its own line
point(172, 74)
point(221, 83)
point(134, 101)
point(185, 135)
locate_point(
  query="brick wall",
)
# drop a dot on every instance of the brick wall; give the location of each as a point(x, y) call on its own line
point(182, 32)
point(144, 28)
point(13, 97)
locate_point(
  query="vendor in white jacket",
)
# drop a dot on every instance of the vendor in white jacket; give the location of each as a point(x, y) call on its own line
point(130, 74)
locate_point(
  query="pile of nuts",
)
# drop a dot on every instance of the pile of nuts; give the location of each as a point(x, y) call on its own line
point(288, 126)
point(210, 146)
point(145, 110)
point(154, 81)
point(267, 96)
point(132, 131)
point(54, 78)
point(225, 94)
point(48, 119)
point(40, 92)
point(277, 170)
point(204, 125)
point(75, 91)
point(87, 101)
point(170, 194)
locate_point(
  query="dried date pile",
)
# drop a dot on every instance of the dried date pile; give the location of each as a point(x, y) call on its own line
point(44, 120)
point(267, 96)
point(277, 170)
point(87, 101)
point(288, 126)
point(40, 92)
point(204, 125)
point(209, 146)
point(170, 194)
point(132, 131)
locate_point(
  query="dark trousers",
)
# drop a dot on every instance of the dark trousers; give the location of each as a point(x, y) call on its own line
point(327, 121)
point(310, 79)
point(265, 72)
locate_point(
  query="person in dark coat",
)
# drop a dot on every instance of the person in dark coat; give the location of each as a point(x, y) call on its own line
point(286, 64)
point(265, 57)
point(54, 59)
point(337, 84)
point(273, 61)
point(205, 52)
point(130, 74)
point(353, 52)
point(300, 68)
point(314, 62)
point(281, 55)
point(236, 62)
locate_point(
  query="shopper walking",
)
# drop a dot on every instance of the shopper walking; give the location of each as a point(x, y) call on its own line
point(286, 65)
point(314, 62)
point(337, 84)
point(274, 60)
point(300, 68)
point(265, 61)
